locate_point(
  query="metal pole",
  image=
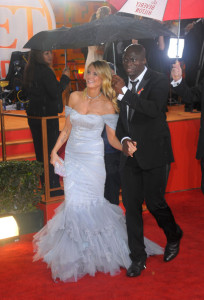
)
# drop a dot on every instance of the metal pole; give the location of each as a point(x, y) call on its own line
point(114, 60)
point(3, 139)
point(179, 29)
point(45, 159)
point(65, 57)
point(200, 64)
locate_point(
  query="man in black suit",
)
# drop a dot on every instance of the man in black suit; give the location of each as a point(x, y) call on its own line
point(144, 133)
point(191, 96)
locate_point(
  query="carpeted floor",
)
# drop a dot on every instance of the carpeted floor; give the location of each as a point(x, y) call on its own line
point(181, 278)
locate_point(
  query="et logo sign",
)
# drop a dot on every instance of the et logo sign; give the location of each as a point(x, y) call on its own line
point(19, 21)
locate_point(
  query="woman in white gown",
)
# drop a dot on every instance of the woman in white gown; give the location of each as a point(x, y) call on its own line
point(87, 233)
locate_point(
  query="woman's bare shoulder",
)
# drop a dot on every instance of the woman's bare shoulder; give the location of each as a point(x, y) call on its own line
point(74, 98)
point(76, 94)
point(108, 106)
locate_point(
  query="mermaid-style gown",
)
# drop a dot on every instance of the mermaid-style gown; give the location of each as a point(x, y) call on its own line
point(87, 233)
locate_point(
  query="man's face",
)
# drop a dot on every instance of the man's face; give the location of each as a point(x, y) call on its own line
point(133, 63)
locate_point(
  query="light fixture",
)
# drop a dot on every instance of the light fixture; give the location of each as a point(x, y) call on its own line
point(176, 47)
point(80, 71)
point(8, 229)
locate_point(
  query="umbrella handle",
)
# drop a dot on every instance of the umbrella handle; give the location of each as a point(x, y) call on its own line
point(65, 57)
point(179, 29)
point(114, 60)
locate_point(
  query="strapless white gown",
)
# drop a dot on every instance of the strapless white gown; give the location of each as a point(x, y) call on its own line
point(87, 233)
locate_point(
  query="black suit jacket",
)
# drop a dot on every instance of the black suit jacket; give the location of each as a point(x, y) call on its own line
point(148, 126)
point(191, 95)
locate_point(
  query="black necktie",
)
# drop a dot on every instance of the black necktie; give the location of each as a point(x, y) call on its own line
point(134, 83)
point(133, 90)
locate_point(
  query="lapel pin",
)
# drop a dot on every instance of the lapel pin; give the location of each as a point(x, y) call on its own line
point(139, 92)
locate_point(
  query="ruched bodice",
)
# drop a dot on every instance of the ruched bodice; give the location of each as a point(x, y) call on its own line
point(85, 136)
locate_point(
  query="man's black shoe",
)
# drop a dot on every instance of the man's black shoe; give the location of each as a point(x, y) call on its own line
point(172, 249)
point(135, 268)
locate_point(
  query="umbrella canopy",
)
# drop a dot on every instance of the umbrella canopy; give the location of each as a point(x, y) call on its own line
point(46, 40)
point(109, 29)
point(162, 10)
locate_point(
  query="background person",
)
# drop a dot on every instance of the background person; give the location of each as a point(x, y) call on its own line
point(112, 163)
point(96, 52)
point(45, 99)
point(192, 56)
point(192, 96)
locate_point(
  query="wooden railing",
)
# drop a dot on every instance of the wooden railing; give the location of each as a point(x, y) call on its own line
point(46, 197)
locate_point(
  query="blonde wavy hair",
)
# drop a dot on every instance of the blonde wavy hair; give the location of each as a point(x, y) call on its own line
point(104, 72)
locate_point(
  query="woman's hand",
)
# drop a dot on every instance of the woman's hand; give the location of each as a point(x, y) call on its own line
point(54, 157)
point(63, 137)
point(129, 147)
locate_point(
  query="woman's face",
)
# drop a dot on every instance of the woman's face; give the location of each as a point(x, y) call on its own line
point(92, 78)
point(47, 56)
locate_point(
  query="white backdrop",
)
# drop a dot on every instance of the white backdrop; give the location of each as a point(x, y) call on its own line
point(19, 21)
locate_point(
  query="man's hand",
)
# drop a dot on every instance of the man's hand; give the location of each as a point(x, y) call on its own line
point(66, 72)
point(176, 72)
point(117, 84)
point(189, 27)
point(129, 147)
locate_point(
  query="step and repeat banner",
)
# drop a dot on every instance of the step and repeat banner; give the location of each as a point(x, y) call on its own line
point(19, 21)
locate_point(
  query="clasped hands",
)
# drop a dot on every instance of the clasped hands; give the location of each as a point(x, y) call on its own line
point(129, 147)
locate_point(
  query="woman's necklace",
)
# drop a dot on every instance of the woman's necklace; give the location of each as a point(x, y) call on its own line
point(93, 98)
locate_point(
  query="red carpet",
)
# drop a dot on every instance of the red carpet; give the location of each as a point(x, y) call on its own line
point(181, 278)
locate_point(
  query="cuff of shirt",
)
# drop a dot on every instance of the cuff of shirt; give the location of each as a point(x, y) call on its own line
point(120, 96)
point(176, 83)
point(126, 137)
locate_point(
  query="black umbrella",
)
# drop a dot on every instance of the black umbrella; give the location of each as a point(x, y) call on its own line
point(46, 40)
point(110, 29)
